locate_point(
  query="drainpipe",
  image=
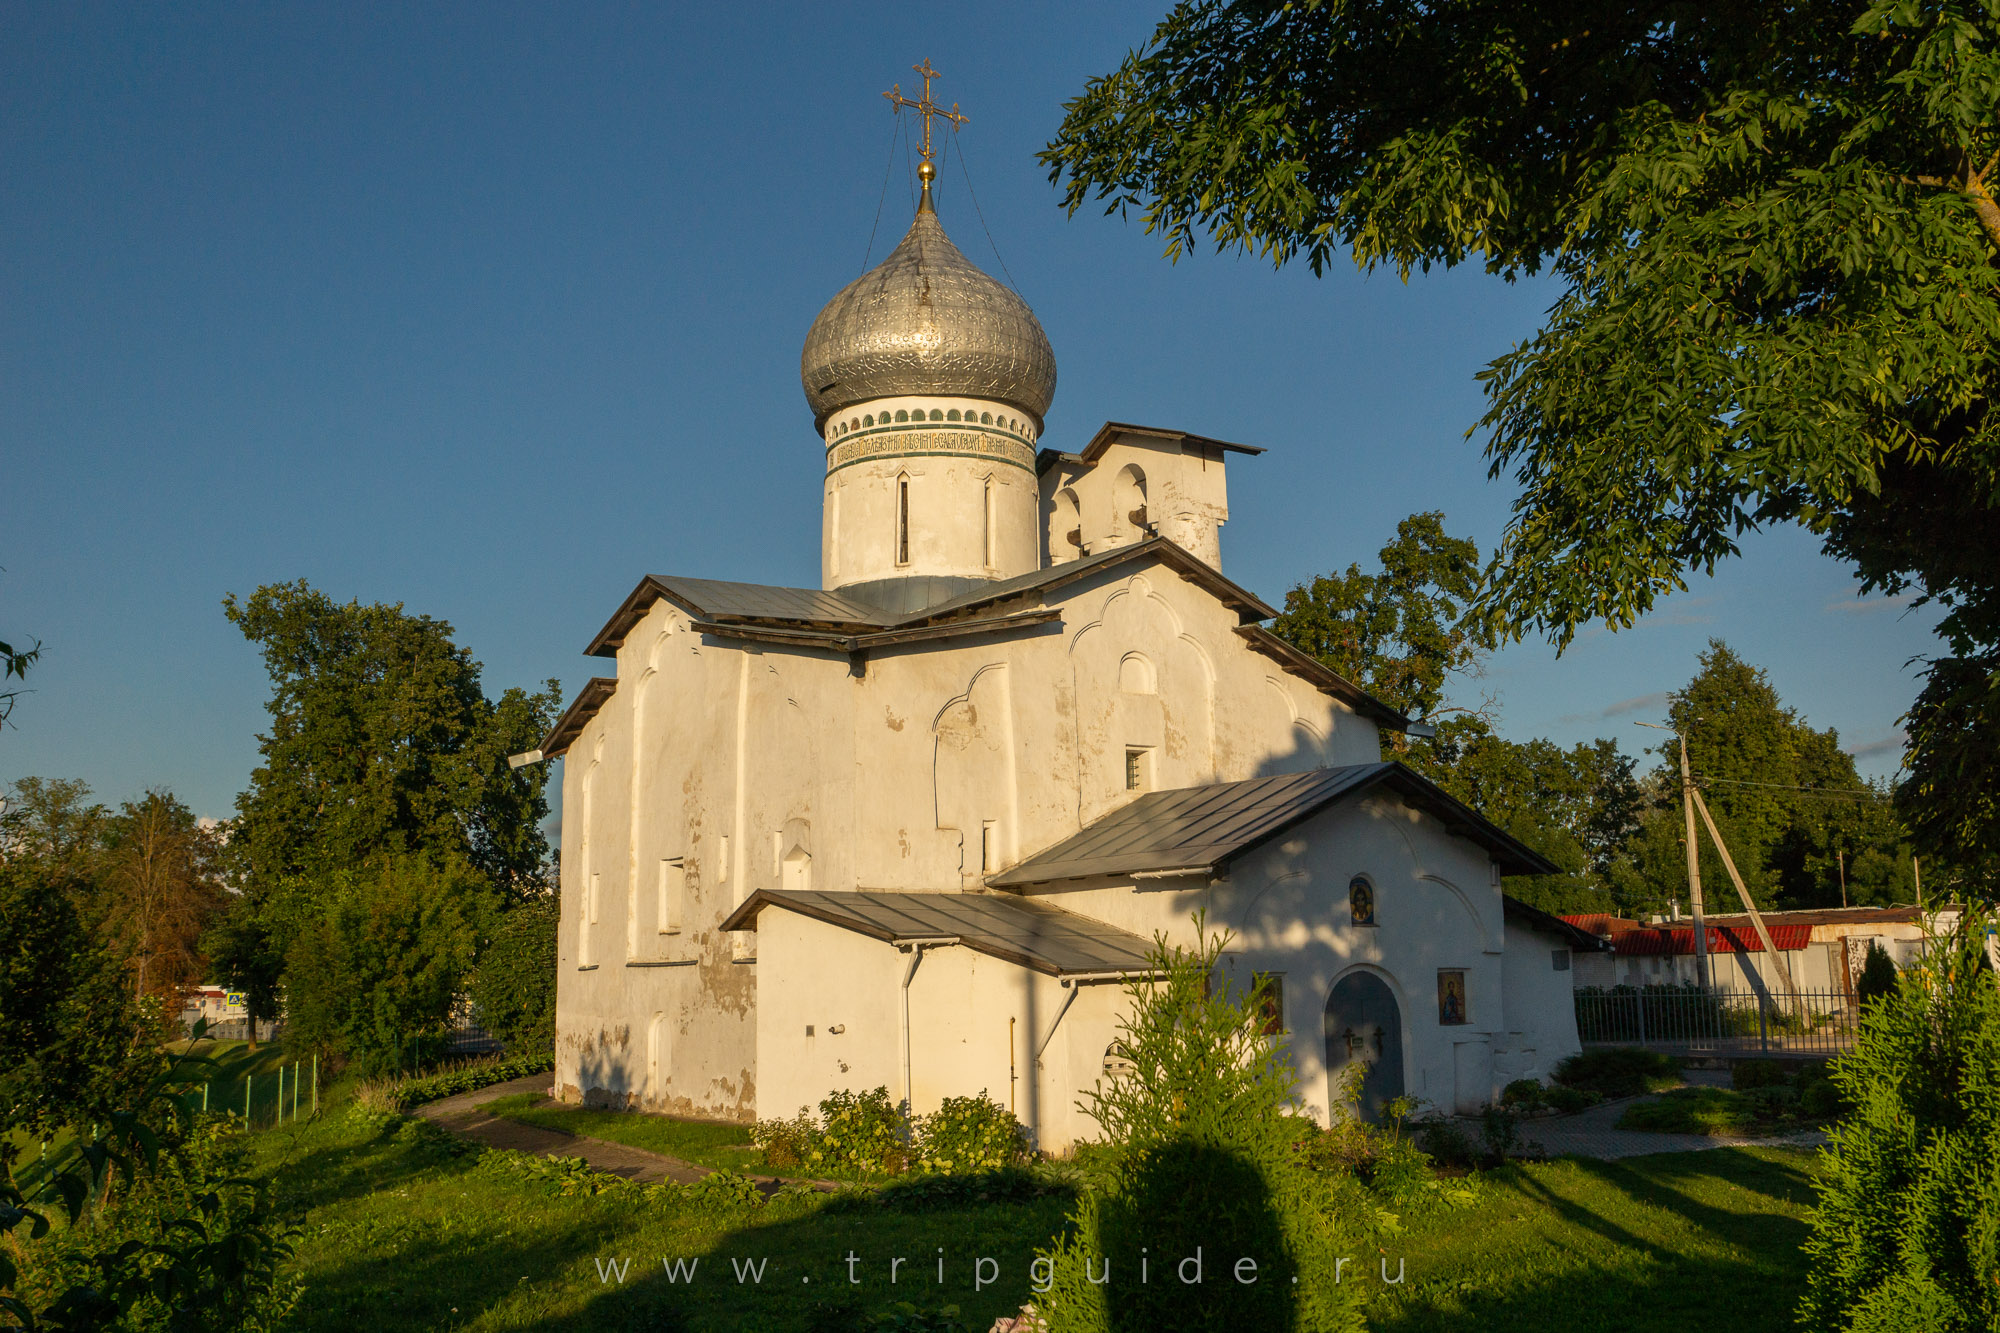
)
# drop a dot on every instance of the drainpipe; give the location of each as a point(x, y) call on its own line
point(914, 948)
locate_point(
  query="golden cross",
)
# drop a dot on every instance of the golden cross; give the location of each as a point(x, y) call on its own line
point(927, 109)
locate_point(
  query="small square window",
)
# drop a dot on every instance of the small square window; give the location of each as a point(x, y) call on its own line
point(1559, 959)
point(1135, 770)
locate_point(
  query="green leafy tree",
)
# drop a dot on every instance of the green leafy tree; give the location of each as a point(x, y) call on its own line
point(54, 823)
point(382, 744)
point(1785, 795)
point(69, 1018)
point(1404, 634)
point(380, 955)
point(1774, 235)
point(1400, 633)
point(515, 986)
point(1906, 1237)
point(1203, 1158)
point(1580, 807)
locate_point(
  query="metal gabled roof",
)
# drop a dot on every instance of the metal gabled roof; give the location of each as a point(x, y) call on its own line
point(1201, 829)
point(717, 599)
point(1022, 931)
point(596, 692)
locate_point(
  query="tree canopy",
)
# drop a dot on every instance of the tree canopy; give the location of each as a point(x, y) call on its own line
point(1779, 261)
point(382, 742)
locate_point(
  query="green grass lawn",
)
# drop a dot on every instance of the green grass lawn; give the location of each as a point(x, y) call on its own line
point(1714, 1111)
point(703, 1142)
point(404, 1229)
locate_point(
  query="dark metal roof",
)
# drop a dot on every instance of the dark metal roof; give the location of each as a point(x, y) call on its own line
point(596, 691)
point(1204, 828)
point(716, 599)
point(712, 602)
point(1023, 931)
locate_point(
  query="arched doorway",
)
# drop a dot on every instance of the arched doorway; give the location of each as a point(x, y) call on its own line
point(1364, 1023)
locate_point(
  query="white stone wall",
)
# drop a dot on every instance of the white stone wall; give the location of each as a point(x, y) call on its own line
point(1286, 904)
point(1541, 1008)
point(820, 779)
point(1182, 490)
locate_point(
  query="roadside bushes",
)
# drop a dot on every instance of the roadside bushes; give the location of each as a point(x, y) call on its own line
point(866, 1134)
point(392, 1096)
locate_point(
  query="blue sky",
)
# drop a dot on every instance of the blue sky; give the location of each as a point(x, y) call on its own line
point(492, 309)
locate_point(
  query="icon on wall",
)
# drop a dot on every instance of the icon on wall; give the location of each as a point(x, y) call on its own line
point(1361, 901)
point(1451, 997)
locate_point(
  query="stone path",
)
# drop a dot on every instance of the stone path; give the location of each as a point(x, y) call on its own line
point(462, 1115)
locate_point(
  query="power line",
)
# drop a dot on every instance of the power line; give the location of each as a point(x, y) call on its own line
point(963, 171)
point(1849, 795)
point(895, 133)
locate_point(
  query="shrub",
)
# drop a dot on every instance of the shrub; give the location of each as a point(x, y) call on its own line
point(1446, 1143)
point(863, 1132)
point(1878, 976)
point(1204, 1157)
point(1500, 1131)
point(970, 1134)
point(1524, 1093)
point(1747, 1074)
point(381, 956)
point(786, 1142)
point(1568, 1101)
point(1909, 1196)
point(483, 1072)
point(1622, 1071)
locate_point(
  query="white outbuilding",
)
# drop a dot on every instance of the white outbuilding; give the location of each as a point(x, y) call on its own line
point(919, 826)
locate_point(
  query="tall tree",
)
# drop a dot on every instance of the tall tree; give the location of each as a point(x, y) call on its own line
point(382, 745)
point(382, 742)
point(162, 888)
point(1779, 253)
point(1404, 634)
point(1785, 795)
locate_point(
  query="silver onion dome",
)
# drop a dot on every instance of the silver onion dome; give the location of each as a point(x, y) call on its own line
point(927, 322)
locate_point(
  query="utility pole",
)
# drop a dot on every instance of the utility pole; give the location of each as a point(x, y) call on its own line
point(1840, 859)
point(1693, 859)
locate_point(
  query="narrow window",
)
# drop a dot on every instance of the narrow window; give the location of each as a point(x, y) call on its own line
point(902, 520)
point(988, 541)
point(1135, 769)
point(673, 895)
point(989, 846)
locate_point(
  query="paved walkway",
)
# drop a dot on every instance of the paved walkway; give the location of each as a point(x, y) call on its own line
point(1594, 1133)
point(462, 1115)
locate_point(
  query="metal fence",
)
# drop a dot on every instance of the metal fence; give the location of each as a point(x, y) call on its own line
point(1718, 1020)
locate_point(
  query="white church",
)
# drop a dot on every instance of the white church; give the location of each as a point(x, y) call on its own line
point(916, 827)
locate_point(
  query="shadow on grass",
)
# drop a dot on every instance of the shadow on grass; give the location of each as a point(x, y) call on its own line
point(1744, 1267)
point(802, 1266)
